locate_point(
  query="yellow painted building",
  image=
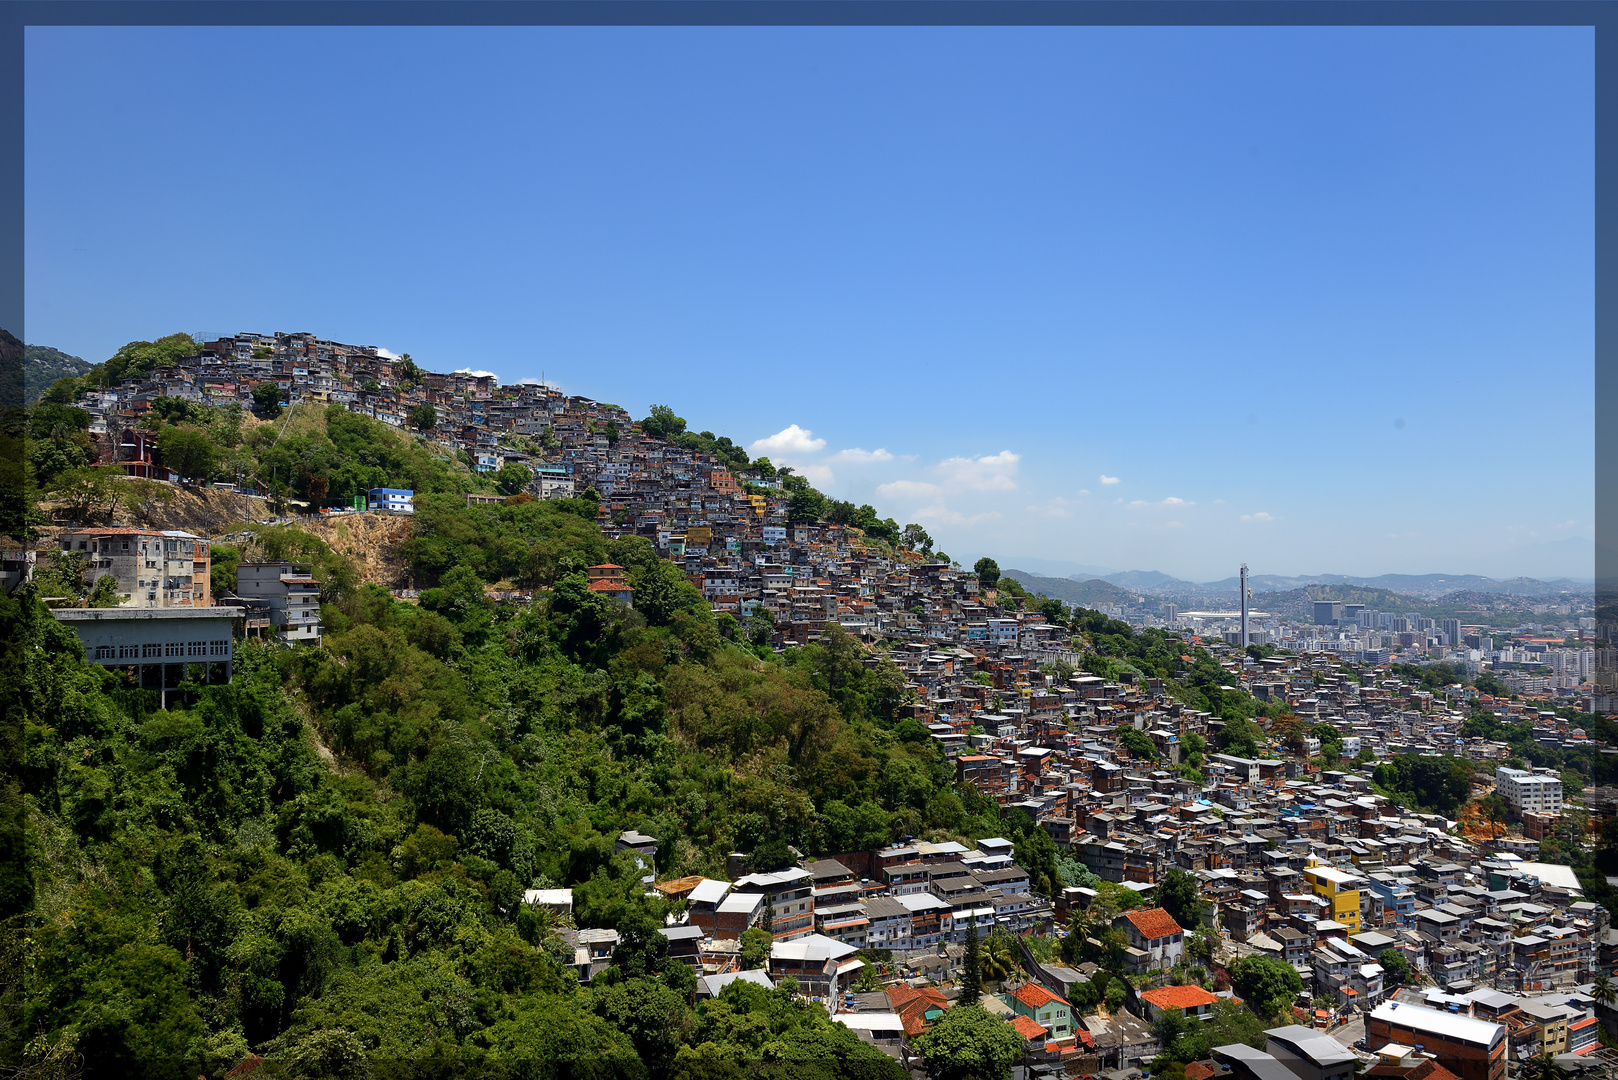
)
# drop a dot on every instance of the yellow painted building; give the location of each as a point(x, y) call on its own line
point(1342, 889)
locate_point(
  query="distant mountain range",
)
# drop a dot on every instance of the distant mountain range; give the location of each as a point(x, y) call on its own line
point(1432, 595)
point(1157, 583)
point(1430, 586)
point(1082, 593)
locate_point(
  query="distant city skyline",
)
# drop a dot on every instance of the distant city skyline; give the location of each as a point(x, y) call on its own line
point(1319, 300)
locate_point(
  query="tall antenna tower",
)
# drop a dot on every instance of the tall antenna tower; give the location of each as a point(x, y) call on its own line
point(1246, 592)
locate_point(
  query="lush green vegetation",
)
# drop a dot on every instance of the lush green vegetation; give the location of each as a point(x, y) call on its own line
point(1438, 784)
point(1187, 1040)
point(201, 883)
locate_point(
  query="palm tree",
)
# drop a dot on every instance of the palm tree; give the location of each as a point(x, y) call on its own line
point(1000, 957)
point(1604, 992)
point(1543, 1067)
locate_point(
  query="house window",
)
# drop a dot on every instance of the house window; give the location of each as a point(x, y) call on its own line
point(151, 650)
point(198, 648)
point(129, 652)
point(174, 648)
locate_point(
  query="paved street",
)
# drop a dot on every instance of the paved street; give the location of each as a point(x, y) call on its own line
point(1351, 1032)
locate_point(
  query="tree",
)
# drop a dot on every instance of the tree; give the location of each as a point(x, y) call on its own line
point(512, 478)
point(1268, 986)
point(1035, 852)
point(105, 593)
point(806, 505)
point(971, 974)
point(1604, 992)
point(1179, 896)
point(1203, 945)
point(968, 1043)
point(188, 452)
point(1000, 956)
point(1441, 784)
point(1227, 1024)
point(1543, 1067)
point(642, 950)
point(755, 948)
point(424, 417)
point(662, 423)
point(915, 538)
point(988, 572)
point(1397, 967)
point(1138, 743)
point(267, 400)
point(1240, 736)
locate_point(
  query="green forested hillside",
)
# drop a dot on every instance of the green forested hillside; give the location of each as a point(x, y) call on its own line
point(43, 365)
point(203, 882)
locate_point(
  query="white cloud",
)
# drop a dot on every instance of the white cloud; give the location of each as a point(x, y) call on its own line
point(791, 439)
point(907, 487)
point(1260, 516)
point(861, 457)
point(1056, 508)
point(991, 472)
point(1109, 480)
point(1172, 501)
point(940, 512)
point(818, 475)
point(386, 354)
point(1084, 491)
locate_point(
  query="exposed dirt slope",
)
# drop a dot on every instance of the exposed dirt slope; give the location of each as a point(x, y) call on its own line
point(371, 540)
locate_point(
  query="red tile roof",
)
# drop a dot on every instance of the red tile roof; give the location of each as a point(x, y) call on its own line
point(1034, 995)
point(913, 1003)
point(1198, 1070)
point(1178, 997)
point(899, 995)
point(1028, 1028)
point(1153, 923)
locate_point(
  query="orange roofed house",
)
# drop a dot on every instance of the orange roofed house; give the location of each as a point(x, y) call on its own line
point(1156, 941)
point(609, 579)
point(1194, 1001)
point(1032, 1001)
point(1030, 1030)
point(917, 1007)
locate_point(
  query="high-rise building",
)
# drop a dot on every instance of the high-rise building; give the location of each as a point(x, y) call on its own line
point(1452, 632)
point(1328, 612)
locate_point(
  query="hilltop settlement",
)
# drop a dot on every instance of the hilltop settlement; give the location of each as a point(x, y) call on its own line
point(626, 713)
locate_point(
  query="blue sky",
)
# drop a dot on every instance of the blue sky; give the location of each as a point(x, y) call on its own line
point(1320, 300)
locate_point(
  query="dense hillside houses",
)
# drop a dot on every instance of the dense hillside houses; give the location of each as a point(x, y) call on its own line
point(1295, 834)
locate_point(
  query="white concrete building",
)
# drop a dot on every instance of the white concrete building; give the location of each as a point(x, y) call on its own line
point(1529, 791)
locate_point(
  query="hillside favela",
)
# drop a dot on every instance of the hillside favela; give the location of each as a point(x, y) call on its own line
point(390, 722)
